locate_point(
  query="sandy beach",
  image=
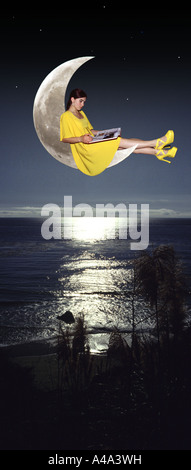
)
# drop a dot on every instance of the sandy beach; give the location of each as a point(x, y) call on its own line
point(41, 359)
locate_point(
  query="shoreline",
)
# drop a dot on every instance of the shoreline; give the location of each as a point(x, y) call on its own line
point(43, 347)
point(30, 349)
point(41, 360)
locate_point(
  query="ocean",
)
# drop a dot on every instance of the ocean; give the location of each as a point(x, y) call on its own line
point(89, 275)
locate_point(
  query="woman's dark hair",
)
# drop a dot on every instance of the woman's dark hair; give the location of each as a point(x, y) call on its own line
point(76, 93)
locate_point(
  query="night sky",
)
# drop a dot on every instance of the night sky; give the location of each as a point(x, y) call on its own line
point(139, 80)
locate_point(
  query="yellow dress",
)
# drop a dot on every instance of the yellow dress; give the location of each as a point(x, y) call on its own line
point(91, 159)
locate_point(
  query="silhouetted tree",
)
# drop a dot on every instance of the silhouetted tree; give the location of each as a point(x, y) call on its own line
point(160, 279)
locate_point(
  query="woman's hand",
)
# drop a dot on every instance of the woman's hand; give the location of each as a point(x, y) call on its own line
point(86, 138)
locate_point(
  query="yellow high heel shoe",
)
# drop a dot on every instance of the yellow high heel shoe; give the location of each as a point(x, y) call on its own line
point(171, 153)
point(169, 139)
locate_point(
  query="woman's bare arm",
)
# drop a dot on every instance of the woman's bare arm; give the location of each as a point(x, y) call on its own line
point(72, 140)
point(85, 139)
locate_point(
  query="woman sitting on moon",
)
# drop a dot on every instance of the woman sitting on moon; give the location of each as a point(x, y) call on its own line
point(93, 159)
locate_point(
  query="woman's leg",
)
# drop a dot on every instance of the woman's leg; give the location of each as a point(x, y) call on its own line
point(126, 143)
point(151, 151)
point(146, 150)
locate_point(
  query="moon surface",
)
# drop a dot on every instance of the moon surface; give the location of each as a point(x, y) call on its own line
point(49, 104)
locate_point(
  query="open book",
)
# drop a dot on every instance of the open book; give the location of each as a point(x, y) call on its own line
point(106, 134)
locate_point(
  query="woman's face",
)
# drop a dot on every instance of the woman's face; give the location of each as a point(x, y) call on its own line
point(78, 103)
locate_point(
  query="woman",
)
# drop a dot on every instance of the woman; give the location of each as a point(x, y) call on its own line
point(76, 130)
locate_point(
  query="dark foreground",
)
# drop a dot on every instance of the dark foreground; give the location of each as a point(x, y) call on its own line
point(132, 398)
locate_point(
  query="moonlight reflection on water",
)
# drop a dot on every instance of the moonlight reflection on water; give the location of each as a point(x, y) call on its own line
point(90, 275)
point(92, 229)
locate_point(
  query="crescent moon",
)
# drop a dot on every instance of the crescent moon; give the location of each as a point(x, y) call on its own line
point(49, 104)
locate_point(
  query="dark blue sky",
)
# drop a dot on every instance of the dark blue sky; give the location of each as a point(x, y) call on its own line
point(139, 80)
